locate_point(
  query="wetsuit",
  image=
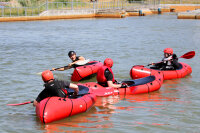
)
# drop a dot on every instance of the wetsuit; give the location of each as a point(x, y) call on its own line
point(54, 88)
point(168, 65)
point(74, 65)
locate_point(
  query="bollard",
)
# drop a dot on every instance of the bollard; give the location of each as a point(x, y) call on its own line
point(140, 13)
point(159, 11)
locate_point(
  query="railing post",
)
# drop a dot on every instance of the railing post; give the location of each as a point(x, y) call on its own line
point(93, 5)
point(2, 11)
point(32, 11)
point(122, 4)
point(72, 5)
point(117, 3)
point(25, 11)
point(10, 11)
point(47, 5)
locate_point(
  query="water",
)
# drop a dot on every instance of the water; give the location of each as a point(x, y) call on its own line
point(30, 47)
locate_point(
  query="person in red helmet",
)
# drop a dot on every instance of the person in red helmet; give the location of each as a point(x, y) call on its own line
point(75, 59)
point(105, 76)
point(169, 62)
point(54, 87)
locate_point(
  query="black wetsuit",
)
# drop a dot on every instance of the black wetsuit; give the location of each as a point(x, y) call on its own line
point(108, 76)
point(163, 66)
point(54, 88)
point(74, 65)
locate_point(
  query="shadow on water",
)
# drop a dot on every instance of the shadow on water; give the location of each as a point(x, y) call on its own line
point(100, 117)
point(141, 107)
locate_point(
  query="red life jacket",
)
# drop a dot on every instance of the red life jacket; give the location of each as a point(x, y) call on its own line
point(101, 79)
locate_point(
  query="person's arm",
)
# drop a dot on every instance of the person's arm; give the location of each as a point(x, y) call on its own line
point(158, 64)
point(110, 84)
point(81, 58)
point(35, 103)
point(62, 68)
point(74, 87)
point(40, 97)
point(67, 84)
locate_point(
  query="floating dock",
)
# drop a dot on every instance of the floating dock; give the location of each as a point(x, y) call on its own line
point(189, 15)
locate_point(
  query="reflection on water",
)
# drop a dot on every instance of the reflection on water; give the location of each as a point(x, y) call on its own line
point(100, 116)
point(31, 47)
point(96, 118)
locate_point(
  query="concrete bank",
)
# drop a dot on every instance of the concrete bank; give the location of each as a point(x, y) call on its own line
point(189, 15)
point(35, 18)
point(183, 7)
point(107, 13)
point(68, 14)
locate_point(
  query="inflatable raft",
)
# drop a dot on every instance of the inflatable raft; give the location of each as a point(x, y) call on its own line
point(85, 71)
point(56, 108)
point(137, 86)
point(139, 71)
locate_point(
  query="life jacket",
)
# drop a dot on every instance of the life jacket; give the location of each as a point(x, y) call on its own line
point(101, 79)
point(168, 62)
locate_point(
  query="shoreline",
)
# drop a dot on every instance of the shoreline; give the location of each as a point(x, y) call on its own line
point(184, 12)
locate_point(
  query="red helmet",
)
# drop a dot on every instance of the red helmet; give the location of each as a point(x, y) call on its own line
point(47, 75)
point(168, 50)
point(108, 62)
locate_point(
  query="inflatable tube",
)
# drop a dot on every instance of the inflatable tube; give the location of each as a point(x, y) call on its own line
point(138, 86)
point(139, 71)
point(86, 70)
point(55, 108)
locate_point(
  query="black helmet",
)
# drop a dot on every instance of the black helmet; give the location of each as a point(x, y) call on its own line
point(71, 53)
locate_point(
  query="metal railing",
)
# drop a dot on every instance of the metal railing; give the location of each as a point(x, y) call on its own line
point(34, 9)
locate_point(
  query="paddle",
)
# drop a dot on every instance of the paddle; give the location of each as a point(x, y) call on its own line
point(83, 90)
point(51, 70)
point(187, 55)
point(20, 103)
point(71, 95)
point(79, 63)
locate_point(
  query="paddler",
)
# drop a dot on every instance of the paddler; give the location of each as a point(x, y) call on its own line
point(54, 87)
point(75, 59)
point(105, 76)
point(169, 62)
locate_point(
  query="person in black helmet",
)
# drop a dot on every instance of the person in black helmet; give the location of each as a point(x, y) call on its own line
point(75, 59)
